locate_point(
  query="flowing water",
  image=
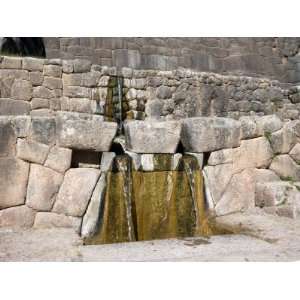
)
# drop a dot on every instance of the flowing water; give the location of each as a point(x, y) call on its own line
point(159, 204)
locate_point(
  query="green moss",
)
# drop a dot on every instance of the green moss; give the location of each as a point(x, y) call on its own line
point(287, 178)
point(268, 135)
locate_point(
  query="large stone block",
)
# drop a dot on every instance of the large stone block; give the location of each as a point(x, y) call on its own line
point(76, 191)
point(21, 90)
point(273, 193)
point(294, 153)
point(84, 132)
point(53, 220)
point(59, 159)
point(32, 151)
point(33, 64)
point(285, 167)
point(20, 216)
point(206, 134)
point(43, 130)
point(43, 186)
point(152, 137)
point(13, 182)
point(11, 62)
point(7, 137)
point(92, 215)
point(14, 107)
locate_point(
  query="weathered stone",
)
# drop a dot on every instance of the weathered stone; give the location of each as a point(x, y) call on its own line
point(285, 167)
point(11, 62)
point(68, 66)
point(176, 160)
point(43, 92)
point(253, 153)
point(107, 159)
point(152, 137)
point(43, 186)
point(21, 90)
point(199, 157)
point(147, 162)
point(36, 78)
point(224, 156)
point(53, 220)
point(14, 107)
point(239, 194)
point(209, 134)
point(52, 83)
point(43, 130)
point(163, 92)
point(154, 108)
point(53, 71)
point(77, 92)
point(13, 182)
point(265, 175)
point(89, 133)
point(81, 105)
point(33, 64)
point(37, 103)
point(7, 137)
point(76, 191)
point(81, 65)
point(283, 140)
point(272, 193)
point(32, 151)
point(92, 215)
point(59, 159)
point(295, 153)
point(21, 125)
point(136, 160)
point(254, 126)
point(42, 112)
point(20, 216)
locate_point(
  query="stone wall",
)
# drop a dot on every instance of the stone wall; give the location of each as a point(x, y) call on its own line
point(41, 87)
point(247, 164)
point(277, 58)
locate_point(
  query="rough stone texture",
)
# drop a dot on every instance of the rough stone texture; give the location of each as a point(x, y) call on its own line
point(20, 216)
point(254, 126)
point(43, 186)
point(14, 107)
point(239, 194)
point(107, 159)
point(32, 151)
point(224, 156)
point(21, 90)
point(43, 130)
point(33, 64)
point(52, 220)
point(209, 134)
point(76, 191)
point(7, 137)
point(84, 133)
point(283, 140)
point(295, 153)
point(92, 215)
point(152, 137)
point(285, 167)
point(59, 159)
point(13, 182)
point(272, 193)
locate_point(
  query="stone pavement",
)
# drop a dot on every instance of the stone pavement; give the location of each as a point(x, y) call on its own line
point(260, 237)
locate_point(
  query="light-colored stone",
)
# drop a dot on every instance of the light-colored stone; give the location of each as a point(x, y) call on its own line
point(283, 140)
point(272, 193)
point(295, 153)
point(81, 65)
point(52, 83)
point(147, 162)
point(37, 103)
point(254, 126)
point(36, 78)
point(206, 134)
point(253, 153)
point(21, 90)
point(265, 175)
point(239, 194)
point(136, 160)
point(53, 71)
point(33, 64)
point(176, 160)
point(43, 92)
point(53, 220)
point(285, 167)
point(11, 62)
point(21, 125)
point(76, 191)
point(32, 151)
point(13, 182)
point(43, 186)
point(59, 159)
point(14, 107)
point(86, 133)
point(20, 216)
point(152, 137)
point(92, 215)
point(107, 160)
point(224, 156)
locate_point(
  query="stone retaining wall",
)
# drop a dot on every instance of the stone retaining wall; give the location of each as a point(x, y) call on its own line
point(41, 87)
point(272, 57)
point(253, 162)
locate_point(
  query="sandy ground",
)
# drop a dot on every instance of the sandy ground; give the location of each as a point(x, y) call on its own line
point(257, 238)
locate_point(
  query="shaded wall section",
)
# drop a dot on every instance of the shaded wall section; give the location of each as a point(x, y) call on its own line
point(277, 58)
